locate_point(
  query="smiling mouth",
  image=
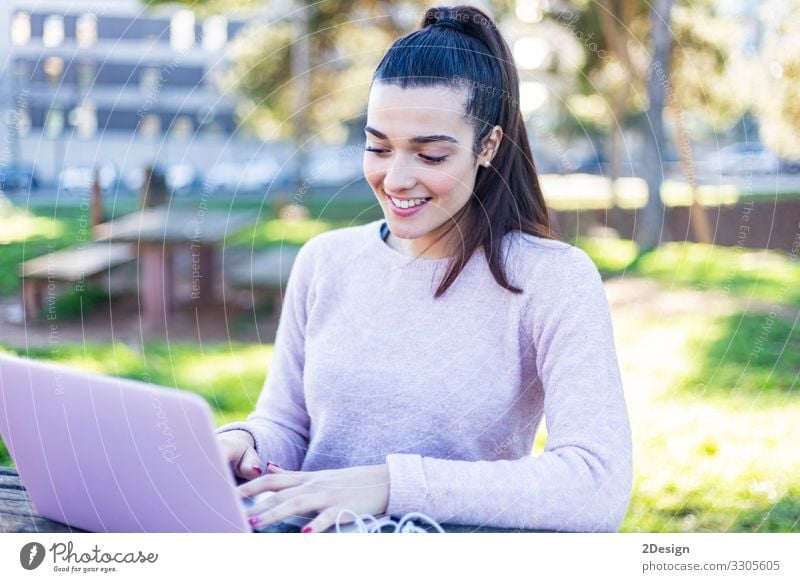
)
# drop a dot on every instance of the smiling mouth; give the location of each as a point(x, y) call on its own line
point(404, 203)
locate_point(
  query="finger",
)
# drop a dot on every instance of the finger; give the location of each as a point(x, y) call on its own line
point(250, 465)
point(269, 482)
point(295, 506)
point(325, 520)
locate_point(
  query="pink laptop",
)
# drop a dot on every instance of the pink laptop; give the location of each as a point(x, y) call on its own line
point(111, 455)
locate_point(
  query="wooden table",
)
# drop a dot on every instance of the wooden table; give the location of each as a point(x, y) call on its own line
point(18, 515)
point(157, 232)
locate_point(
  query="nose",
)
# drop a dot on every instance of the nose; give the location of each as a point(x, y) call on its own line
point(399, 176)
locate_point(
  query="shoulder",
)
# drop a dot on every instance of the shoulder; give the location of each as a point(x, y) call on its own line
point(547, 259)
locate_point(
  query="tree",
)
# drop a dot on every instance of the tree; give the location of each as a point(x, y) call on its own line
point(618, 42)
point(649, 233)
point(778, 105)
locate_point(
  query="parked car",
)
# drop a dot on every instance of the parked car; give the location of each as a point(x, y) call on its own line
point(80, 178)
point(787, 166)
point(18, 178)
point(333, 167)
point(183, 179)
point(751, 157)
point(254, 176)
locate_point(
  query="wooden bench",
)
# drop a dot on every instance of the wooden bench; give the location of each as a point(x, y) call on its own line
point(73, 265)
point(266, 271)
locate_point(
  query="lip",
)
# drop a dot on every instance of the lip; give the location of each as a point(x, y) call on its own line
point(405, 211)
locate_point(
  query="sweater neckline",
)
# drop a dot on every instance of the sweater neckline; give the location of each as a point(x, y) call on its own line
point(397, 258)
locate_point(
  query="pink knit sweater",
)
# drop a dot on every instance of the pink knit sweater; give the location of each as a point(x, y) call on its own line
point(368, 368)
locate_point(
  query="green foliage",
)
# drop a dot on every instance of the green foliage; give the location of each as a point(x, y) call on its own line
point(778, 73)
point(74, 304)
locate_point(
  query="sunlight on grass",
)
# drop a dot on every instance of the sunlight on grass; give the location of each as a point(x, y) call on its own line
point(705, 463)
point(763, 274)
point(610, 255)
point(746, 358)
point(701, 467)
point(18, 225)
point(276, 231)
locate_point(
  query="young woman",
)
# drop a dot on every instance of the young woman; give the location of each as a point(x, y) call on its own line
point(416, 356)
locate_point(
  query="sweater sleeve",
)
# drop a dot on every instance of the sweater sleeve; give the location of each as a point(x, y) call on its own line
point(582, 480)
point(280, 422)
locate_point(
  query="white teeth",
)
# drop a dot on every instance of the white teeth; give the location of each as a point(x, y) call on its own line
point(407, 203)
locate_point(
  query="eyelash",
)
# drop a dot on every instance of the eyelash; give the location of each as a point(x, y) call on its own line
point(428, 159)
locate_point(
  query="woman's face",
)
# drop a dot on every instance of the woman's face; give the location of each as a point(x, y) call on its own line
point(419, 154)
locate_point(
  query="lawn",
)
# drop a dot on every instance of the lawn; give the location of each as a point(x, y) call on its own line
point(712, 395)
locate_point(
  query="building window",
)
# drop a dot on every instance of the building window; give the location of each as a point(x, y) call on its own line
point(86, 30)
point(182, 127)
point(215, 33)
point(54, 124)
point(53, 70)
point(149, 78)
point(181, 30)
point(23, 71)
point(53, 31)
point(21, 29)
point(86, 75)
point(23, 122)
point(150, 125)
point(84, 120)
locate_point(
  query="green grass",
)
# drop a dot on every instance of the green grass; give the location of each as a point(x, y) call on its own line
point(746, 358)
point(752, 274)
point(713, 438)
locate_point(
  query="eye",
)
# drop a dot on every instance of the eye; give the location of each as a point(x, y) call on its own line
point(375, 151)
point(433, 160)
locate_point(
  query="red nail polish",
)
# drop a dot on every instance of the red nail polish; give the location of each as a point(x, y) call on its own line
point(253, 520)
point(271, 464)
point(257, 469)
point(306, 529)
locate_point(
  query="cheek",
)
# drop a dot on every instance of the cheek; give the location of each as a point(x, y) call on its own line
point(373, 170)
point(449, 184)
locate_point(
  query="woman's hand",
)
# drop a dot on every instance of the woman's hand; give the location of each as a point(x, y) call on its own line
point(239, 449)
point(362, 490)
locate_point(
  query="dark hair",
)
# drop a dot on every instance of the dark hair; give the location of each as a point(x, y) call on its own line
point(462, 47)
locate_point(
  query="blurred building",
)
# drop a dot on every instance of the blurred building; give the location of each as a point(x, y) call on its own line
point(87, 83)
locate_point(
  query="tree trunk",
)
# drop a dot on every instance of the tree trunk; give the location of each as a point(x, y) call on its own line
point(653, 225)
point(698, 217)
point(301, 80)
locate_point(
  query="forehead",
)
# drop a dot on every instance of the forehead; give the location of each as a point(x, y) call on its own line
point(399, 112)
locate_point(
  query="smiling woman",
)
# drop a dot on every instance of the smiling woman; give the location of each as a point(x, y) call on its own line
point(416, 356)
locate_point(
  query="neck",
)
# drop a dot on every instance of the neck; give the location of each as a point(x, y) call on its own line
point(418, 247)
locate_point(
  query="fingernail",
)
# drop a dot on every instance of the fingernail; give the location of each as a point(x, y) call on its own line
point(271, 464)
point(257, 469)
point(253, 520)
point(306, 529)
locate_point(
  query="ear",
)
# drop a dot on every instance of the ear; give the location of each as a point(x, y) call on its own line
point(491, 144)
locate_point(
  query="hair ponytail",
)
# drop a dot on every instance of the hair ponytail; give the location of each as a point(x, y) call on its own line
point(471, 53)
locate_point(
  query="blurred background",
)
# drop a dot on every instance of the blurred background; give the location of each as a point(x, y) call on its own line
point(161, 162)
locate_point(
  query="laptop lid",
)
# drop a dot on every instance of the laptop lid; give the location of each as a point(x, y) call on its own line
point(107, 454)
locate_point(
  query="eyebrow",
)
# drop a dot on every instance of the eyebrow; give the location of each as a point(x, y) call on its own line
point(419, 139)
